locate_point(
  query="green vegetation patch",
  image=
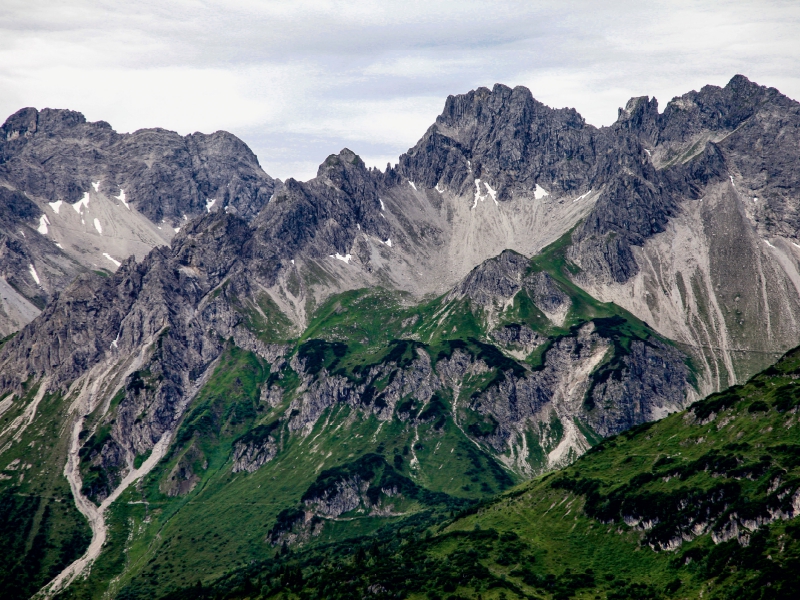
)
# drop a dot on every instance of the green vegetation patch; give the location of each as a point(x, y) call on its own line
point(698, 503)
point(41, 530)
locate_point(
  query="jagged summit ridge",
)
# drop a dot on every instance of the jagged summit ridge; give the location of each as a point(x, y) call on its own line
point(149, 164)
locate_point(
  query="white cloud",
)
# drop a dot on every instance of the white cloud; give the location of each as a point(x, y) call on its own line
point(298, 80)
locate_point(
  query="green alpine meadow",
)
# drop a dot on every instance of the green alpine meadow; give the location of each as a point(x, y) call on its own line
point(699, 504)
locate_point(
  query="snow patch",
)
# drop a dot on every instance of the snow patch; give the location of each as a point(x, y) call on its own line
point(34, 274)
point(121, 198)
point(441, 191)
point(648, 152)
point(43, 223)
point(209, 204)
point(478, 195)
point(768, 244)
point(346, 258)
point(82, 202)
point(492, 193)
point(116, 339)
point(96, 186)
point(582, 196)
point(359, 226)
point(56, 205)
point(755, 199)
point(59, 245)
point(98, 226)
point(540, 192)
point(382, 206)
point(112, 259)
point(733, 184)
point(177, 229)
point(388, 242)
point(411, 183)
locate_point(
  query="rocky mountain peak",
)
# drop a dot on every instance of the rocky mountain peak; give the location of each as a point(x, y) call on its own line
point(58, 155)
point(505, 137)
point(92, 197)
point(320, 218)
point(339, 162)
point(640, 115)
point(222, 146)
point(714, 108)
point(497, 278)
point(345, 171)
point(21, 123)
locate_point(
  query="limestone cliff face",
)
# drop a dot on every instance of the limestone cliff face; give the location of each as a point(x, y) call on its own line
point(76, 196)
point(493, 281)
point(256, 448)
point(32, 268)
point(148, 333)
point(721, 276)
point(508, 138)
point(57, 155)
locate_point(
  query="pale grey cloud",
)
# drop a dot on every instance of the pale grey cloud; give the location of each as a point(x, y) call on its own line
point(298, 80)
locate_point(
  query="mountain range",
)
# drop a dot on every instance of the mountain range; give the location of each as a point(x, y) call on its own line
point(205, 366)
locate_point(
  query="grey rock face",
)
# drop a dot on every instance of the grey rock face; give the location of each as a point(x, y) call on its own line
point(712, 109)
point(646, 164)
point(518, 335)
point(742, 131)
point(545, 293)
point(493, 285)
point(348, 494)
point(509, 138)
point(319, 218)
point(57, 154)
point(644, 385)
point(56, 157)
point(255, 449)
point(25, 256)
point(506, 137)
point(162, 308)
point(648, 383)
point(498, 278)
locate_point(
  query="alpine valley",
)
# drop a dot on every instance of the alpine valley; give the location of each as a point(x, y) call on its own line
point(479, 373)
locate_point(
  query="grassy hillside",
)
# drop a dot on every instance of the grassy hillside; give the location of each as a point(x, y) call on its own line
point(193, 518)
point(40, 528)
point(700, 504)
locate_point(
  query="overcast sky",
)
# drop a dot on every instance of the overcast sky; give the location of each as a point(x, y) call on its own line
point(299, 80)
